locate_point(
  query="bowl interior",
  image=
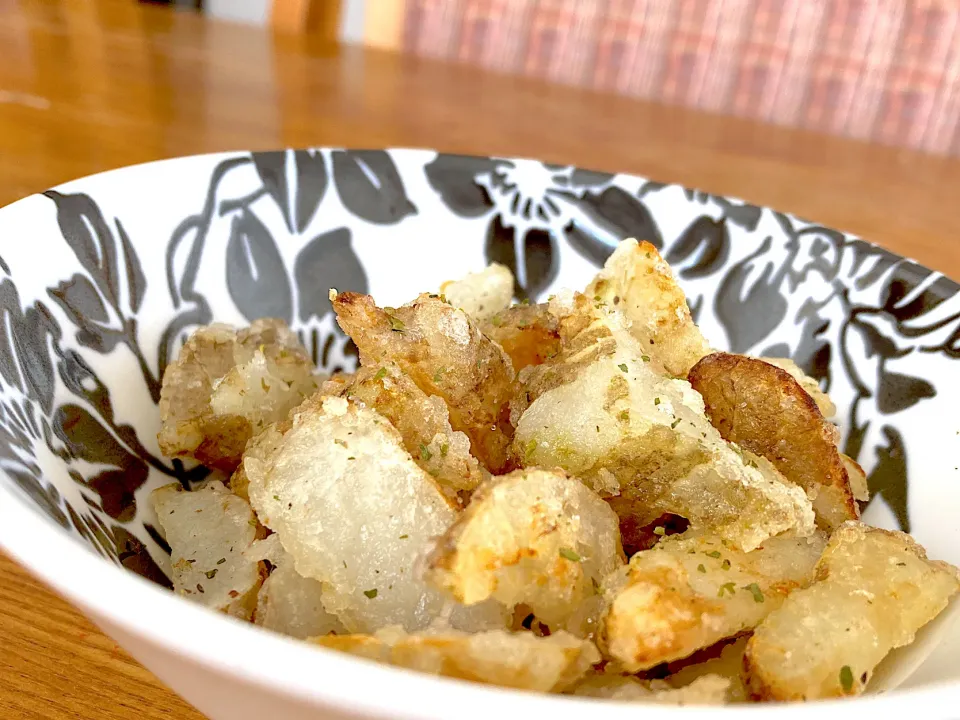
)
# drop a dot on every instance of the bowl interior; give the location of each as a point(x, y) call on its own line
point(103, 278)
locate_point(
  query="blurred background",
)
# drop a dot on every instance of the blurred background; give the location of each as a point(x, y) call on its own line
point(882, 70)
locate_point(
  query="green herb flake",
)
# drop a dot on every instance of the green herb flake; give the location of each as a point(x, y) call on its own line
point(396, 324)
point(381, 374)
point(623, 367)
point(211, 574)
point(597, 590)
point(404, 536)
point(425, 453)
point(674, 423)
point(277, 498)
point(727, 587)
point(623, 415)
point(713, 554)
point(530, 449)
point(221, 561)
point(645, 358)
point(846, 678)
point(437, 374)
point(755, 591)
point(370, 593)
point(701, 568)
point(725, 565)
point(496, 321)
point(569, 554)
point(263, 384)
point(656, 401)
point(660, 531)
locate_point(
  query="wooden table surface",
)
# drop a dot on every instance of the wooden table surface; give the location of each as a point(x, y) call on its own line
point(89, 85)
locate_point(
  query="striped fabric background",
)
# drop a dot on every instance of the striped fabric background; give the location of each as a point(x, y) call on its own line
point(882, 70)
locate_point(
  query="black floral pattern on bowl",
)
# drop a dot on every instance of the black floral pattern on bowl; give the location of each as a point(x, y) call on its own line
point(270, 233)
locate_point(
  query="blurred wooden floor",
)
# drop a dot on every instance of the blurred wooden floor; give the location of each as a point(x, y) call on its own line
point(89, 85)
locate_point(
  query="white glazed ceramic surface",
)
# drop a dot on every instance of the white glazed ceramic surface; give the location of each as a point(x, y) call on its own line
point(102, 279)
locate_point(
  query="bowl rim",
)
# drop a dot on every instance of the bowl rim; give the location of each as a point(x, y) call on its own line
point(159, 617)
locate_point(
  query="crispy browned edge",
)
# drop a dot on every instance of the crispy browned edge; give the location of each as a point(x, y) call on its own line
point(719, 371)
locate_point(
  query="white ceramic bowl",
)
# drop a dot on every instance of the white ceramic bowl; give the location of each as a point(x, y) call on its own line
point(103, 277)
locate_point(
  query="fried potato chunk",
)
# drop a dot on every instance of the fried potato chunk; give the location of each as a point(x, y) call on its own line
point(441, 349)
point(705, 690)
point(226, 385)
point(527, 333)
point(725, 662)
point(874, 590)
point(533, 537)
point(857, 478)
point(518, 660)
point(601, 412)
point(289, 603)
point(637, 281)
point(765, 410)
point(483, 294)
point(354, 511)
point(690, 592)
point(423, 422)
point(208, 531)
point(823, 401)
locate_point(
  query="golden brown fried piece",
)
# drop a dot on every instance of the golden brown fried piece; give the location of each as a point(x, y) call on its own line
point(603, 412)
point(445, 354)
point(355, 512)
point(336, 383)
point(289, 603)
point(498, 657)
point(765, 410)
point(533, 537)
point(823, 401)
point(483, 294)
point(874, 590)
point(209, 531)
point(692, 591)
point(266, 442)
point(722, 660)
point(423, 422)
point(587, 330)
point(703, 690)
point(857, 478)
point(639, 283)
point(226, 385)
point(527, 333)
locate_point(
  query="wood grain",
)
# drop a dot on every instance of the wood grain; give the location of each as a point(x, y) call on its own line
point(89, 85)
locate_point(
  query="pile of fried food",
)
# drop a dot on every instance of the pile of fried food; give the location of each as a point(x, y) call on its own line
point(573, 497)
